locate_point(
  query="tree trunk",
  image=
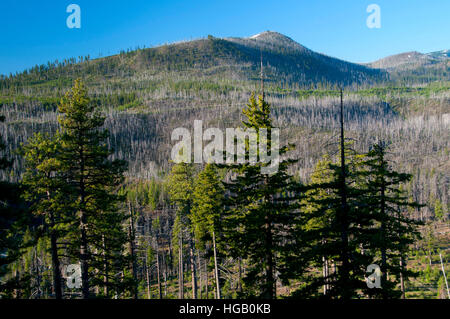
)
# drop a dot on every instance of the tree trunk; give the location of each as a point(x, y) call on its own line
point(240, 274)
point(216, 270)
point(38, 274)
point(383, 250)
point(345, 269)
point(170, 263)
point(83, 231)
point(445, 277)
point(193, 269)
point(105, 268)
point(199, 267)
point(180, 269)
point(269, 291)
point(55, 260)
point(206, 281)
point(133, 259)
point(165, 273)
point(325, 275)
point(402, 283)
point(158, 273)
point(147, 276)
point(84, 257)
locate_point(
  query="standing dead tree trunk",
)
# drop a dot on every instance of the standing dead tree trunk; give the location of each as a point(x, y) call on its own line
point(199, 267)
point(216, 269)
point(55, 258)
point(240, 274)
point(325, 275)
point(158, 269)
point(193, 268)
point(445, 277)
point(132, 250)
point(105, 268)
point(147, 273)
point(165, 273)
point(206, 281)
point(343, 218)
point(383, 230)
point(180, 269)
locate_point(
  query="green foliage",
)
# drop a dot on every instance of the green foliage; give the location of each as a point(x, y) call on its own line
point(388, 206)
point(151, 193)
point(260, 211)
point(207, 208)
point(181, 186)
point(378, 230)
point(14, 223)
point(438, 210)
point(92, 180)
point(328, 218)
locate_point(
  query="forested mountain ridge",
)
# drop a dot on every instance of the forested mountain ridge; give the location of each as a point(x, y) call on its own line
point(213, 57)
point(411, 67)
point(297, 64)
point(410, 60)
point(441, 54)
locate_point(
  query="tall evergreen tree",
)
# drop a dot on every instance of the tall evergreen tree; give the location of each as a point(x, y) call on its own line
point(208, 203)
point(181, 187)
point(93, 179)
point(311, 204)
point(379, 230)
point(44, 192)
point(396, 231)
point(261, 208)
point(323, 207)
point(345, 237)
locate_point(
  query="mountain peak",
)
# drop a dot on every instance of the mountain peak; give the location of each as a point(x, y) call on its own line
point(270, 39)
point(273, 37)
point(409, 60)
point(269, 35)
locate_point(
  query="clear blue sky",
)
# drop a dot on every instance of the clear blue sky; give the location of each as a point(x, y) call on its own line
point(34, 32)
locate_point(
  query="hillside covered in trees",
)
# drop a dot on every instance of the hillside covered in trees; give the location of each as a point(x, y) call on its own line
point(365, 184)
